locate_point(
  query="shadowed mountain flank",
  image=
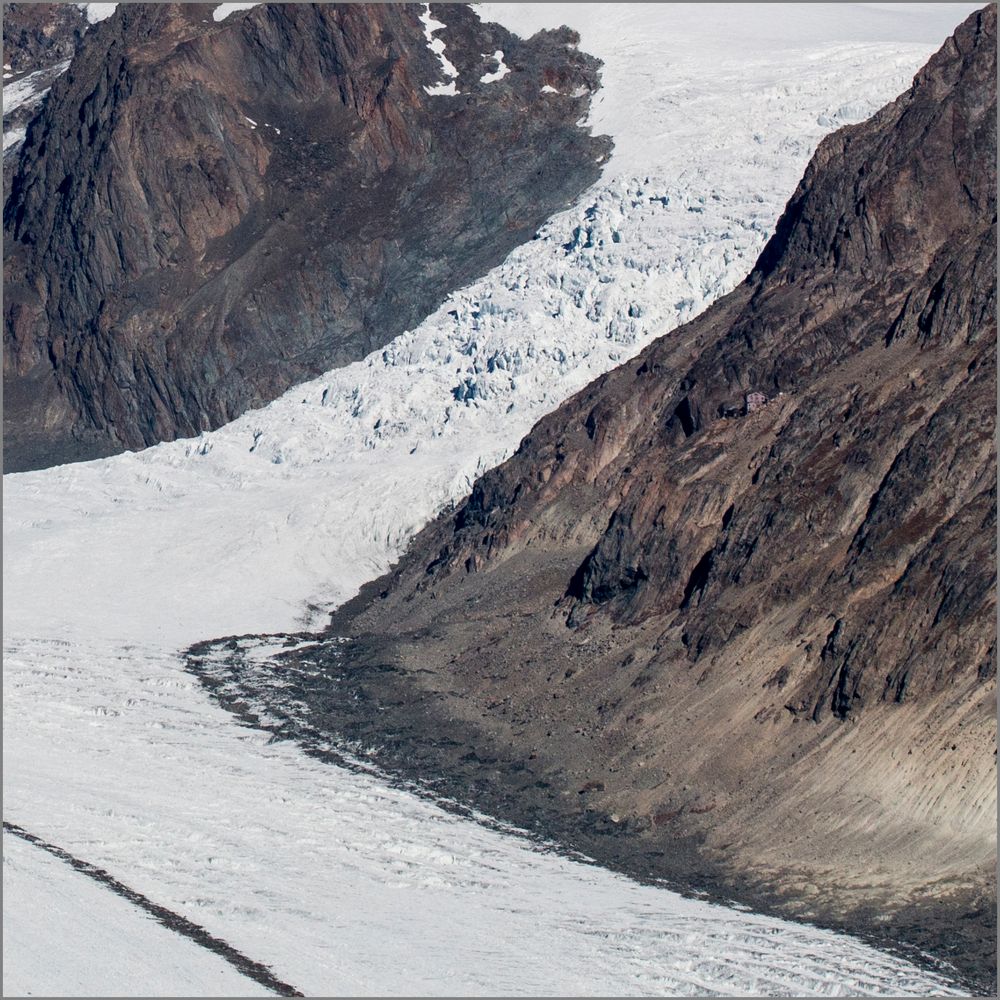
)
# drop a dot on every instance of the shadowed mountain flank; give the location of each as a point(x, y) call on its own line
point(205, 213)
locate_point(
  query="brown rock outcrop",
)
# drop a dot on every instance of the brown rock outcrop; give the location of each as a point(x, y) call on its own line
point(38, 35)
point(205, 213)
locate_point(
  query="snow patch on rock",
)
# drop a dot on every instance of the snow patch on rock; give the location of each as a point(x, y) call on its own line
point(223, 10)
point(500, 72)
point(437, 46)
point(13, 138)
point(31, 89)
point(97, 12)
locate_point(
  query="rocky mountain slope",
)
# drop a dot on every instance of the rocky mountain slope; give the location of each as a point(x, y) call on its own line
point(728, 614)
point(39, 40)
point(39, 35)
point(207, 211)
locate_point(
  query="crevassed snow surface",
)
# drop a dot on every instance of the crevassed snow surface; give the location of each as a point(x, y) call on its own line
point(346, 885)
point(338, 881)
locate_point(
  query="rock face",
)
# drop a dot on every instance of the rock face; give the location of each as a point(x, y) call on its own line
point(738, 596)
point(38, 35)
point(205, 213)
point(39, 40)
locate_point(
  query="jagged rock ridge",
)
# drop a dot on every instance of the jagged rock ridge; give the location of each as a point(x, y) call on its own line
point(38, 35)
point(39, 39)
point(205, 213)
point(740, 593)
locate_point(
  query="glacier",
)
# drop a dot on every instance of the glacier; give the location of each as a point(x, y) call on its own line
point(338, 881)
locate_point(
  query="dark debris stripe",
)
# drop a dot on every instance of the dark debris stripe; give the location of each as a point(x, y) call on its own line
point(173, 921)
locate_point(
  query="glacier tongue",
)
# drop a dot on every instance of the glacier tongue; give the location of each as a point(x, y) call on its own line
point(341, 883)
point(112, 566)
point(318, 492)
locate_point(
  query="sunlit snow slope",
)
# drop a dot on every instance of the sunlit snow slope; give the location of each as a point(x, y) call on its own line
point(338, 882)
